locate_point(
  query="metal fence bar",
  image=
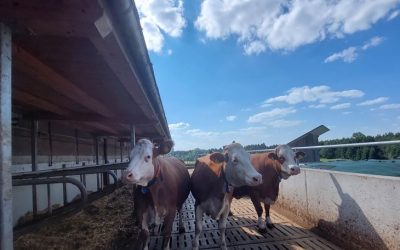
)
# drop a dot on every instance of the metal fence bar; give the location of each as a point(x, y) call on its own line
point(360, 144)
point(70, 171)
point(73, 181)
point(6, 223)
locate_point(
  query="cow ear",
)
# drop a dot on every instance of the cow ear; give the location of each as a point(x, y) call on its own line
point(272, 156)
point(300, 155)
point(163, 148)
point(217, 157)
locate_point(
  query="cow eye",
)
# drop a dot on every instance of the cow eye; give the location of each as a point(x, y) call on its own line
point(147, 158)
point(235, 160)
point(281, 159)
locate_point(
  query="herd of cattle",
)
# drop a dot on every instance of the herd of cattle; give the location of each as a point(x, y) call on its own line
point(163, 185)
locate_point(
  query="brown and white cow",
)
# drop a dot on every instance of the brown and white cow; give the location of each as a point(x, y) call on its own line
point(163, 188)
point(273, 166)
point(212, 183)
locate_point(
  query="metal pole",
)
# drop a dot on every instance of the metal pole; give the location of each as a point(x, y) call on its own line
point(50, 144)
point(133, 136)
point(76, 147)
point(96, 152)
point(6, 223)
point(105, 176)
point(34, 132)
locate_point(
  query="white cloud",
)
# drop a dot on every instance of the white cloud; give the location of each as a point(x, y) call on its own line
point(375, 41)
point(322, 94)
point(347, 55)
point(350, 54)
point(341, 106)
point(179, 125)
point(245, 109)
point(231, 118)
point(347, 113)
point(169, 52)
point(259, 25)
point(268, 116)
point(373, 101)
point(159, 17)
point(317, 106)
point(390, 106)
point(284, 123)
point(394, 14)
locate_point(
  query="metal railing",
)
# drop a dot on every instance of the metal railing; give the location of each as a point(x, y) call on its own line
point(346, 145)
point(47, 177)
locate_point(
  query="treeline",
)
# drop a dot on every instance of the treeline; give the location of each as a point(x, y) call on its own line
point(362, 153)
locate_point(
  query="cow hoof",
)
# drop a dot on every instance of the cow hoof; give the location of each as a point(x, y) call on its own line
point(270, 225)
point(262, 230)
point(182, 230)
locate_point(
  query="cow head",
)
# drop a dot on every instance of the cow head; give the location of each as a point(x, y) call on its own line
point(141, 167)
point(288, 159)
point(238, 168)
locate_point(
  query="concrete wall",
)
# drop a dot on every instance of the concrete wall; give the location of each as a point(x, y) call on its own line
point(359, 211)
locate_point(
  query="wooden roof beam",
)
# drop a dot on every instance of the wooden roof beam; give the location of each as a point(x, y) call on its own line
point(39, 71)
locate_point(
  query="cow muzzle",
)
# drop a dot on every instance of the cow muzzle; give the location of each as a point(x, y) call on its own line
point(294, 170)
point(255, 180)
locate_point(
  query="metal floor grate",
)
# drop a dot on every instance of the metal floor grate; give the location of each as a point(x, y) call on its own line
point(241, 233)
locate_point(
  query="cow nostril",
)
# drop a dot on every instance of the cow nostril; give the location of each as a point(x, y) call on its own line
point(129, 175)
point(292, 169)
point(256, 179)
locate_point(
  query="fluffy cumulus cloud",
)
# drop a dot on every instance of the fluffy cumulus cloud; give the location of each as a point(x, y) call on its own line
point(350, 54)
point(231, 118)
point(275, 118)
point(159, 17)
point(347, 55)
point(373, 101)
point(287, 24)
point(179, 125)
point(322, 94)
point(390, 106)
point(341, 106)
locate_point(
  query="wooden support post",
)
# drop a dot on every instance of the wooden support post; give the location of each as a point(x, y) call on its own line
point(105, 175)
point(34, 134)
point(6, 218)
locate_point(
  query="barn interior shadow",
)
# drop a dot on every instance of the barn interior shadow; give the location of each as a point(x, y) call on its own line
point(349, 213)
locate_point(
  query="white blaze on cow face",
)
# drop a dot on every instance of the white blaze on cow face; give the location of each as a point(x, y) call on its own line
point(238, 168)
point(141, 169)
point(288, 159)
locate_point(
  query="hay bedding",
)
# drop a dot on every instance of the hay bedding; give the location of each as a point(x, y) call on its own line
point(107, 223)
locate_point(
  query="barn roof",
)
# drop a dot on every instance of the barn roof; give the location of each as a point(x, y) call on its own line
point(84, 62)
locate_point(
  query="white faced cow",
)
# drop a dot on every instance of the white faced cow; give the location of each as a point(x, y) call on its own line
point(163, 188)
point(212, 184)
point(273, 166)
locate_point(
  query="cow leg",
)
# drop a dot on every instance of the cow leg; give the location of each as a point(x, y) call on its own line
point(181, 226)
point(257, 205)
point(222, 228)
point(267, 207)
point(144, 235)
point(199, 226)
point(167, 230)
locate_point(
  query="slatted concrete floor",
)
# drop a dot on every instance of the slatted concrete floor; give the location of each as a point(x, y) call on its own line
point(242, 232)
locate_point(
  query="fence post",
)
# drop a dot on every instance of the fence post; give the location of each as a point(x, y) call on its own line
point(6, 218)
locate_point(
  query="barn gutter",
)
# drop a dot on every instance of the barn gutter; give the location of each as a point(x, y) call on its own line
point(125, 21)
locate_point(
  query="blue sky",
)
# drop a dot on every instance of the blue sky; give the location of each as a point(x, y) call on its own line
point(269, 70)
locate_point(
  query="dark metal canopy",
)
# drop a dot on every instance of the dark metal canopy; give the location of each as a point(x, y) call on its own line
point(84, 62)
